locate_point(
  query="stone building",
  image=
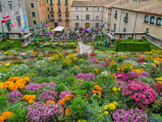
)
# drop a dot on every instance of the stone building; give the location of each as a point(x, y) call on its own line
point(137, 17)
point(36, 12)
point(87, 13)
point(17, 12)
point(59, 13)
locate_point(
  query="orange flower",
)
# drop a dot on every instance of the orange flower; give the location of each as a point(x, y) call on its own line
point(96, 70)
point(98, 87)
point(94, 92)
point(7, 114)
point(67, 97)
point(1, 119)
point(51, 102)
point(30, 101)
point(67, 111)
point(97, 61)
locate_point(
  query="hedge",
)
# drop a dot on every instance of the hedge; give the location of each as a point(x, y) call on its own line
point(133, 46)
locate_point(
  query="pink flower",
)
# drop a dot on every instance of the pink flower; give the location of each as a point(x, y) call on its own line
point(12, 24)
point(146, 101)
point(3, 20)
point(6, 16)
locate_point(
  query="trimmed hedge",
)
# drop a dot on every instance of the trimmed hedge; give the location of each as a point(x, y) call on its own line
point(132, 46)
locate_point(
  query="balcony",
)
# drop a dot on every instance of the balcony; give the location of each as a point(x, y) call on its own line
point(52, 20)
point(67, 20)
point(51, 12)
point(59, 12)
point(126, 19)
point(59, 20)
point(115, 16)
point(58, 4)
point(51, 4)
point(66, 12)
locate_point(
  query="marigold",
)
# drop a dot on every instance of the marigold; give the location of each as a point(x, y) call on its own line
point(7, 114)
point(1, 119)
point(119, 89)
point(115, 103)
point(98, 87)
point(114, 89)
point(30, 101)
point(67, 111)
point(51, 102)
point(106, 112)
point(94, 92)
point(96, 70)
point(112, 106)
point(67, 97)
point(106, 107)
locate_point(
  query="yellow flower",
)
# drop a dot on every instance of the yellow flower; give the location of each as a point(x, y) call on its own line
point(115, 103)
point(114, 89)
point(112, 106)
point(119, 89)
point(106, 112)
point(8, 64)
point(106, 107)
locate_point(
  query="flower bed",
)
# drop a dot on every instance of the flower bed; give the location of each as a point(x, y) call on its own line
point(104, 86)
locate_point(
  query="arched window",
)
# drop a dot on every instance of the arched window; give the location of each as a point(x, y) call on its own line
point(152, 20)
point(146, 18)
point(159, 21)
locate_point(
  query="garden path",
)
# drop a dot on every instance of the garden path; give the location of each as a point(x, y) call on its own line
point(85, 48)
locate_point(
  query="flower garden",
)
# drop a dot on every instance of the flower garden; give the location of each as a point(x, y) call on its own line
point(63, 86)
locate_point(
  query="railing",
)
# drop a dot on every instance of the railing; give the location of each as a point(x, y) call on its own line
point(128, 35)
point(27, 39)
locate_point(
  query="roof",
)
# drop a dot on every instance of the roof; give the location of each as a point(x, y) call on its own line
point(151, 7)
point(88, 3)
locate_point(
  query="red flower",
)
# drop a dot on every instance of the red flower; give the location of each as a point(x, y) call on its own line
point(86, 96)
point(93, 54)
point(72, 62)
point(0, 94)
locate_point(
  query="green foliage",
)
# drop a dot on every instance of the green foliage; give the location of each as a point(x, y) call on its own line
point(84, 56)
point(113, 68)
point(132, 46)
point(120, 59)
point(44, 80)
point(78, 108)
point(3, 98)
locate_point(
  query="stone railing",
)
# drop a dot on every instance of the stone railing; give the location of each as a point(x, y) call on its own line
point(13, 35)
point(127, 35)
point(27, 39)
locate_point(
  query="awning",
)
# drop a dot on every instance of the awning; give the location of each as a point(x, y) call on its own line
point(59, 28)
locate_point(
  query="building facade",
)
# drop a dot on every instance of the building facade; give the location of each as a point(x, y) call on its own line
point(87, 14)
point(17, 12)
point(59, 13)
point(36, 12)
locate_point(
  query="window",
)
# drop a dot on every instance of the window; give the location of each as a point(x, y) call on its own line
point(59, 9)
point(116, 14)
point(8, 25)
point(19, 5)
point(97, 17)
point(98, 9)
point(67, 10)
point(51, 9)
point(67, 24)
point(66, 2)
point(124, 30)
point(159, 21)
point(33, 14)
point(146, 18)
point(32, 5)
point(34, 22)
point(87, 17)
point(126, 18)
point(51, 2)
point(59, 3)
point(67, 16)
point(48, 16)
point(10, 4)
point(77, 17)
point(76, 9)
point(47, 1)
point(18, 21)
point(47, 8)
point(59, 16)
point(76, 25)
point(114, 27)
point(97, 25)
point(0, 7)
point(52, 16)
point(86, 9)
point(152, 20)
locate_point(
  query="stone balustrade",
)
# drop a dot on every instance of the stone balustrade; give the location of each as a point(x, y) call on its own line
point(128, 35)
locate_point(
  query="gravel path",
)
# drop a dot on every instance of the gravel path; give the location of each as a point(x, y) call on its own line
point(85, 48)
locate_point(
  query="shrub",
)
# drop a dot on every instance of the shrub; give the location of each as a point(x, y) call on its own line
point(132, 46)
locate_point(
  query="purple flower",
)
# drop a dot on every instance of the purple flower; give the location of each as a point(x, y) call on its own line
point(62, 95)
point(47, 95)
point(48, 32)
point(40, 112)
point(14, 95)
point(88, 76)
